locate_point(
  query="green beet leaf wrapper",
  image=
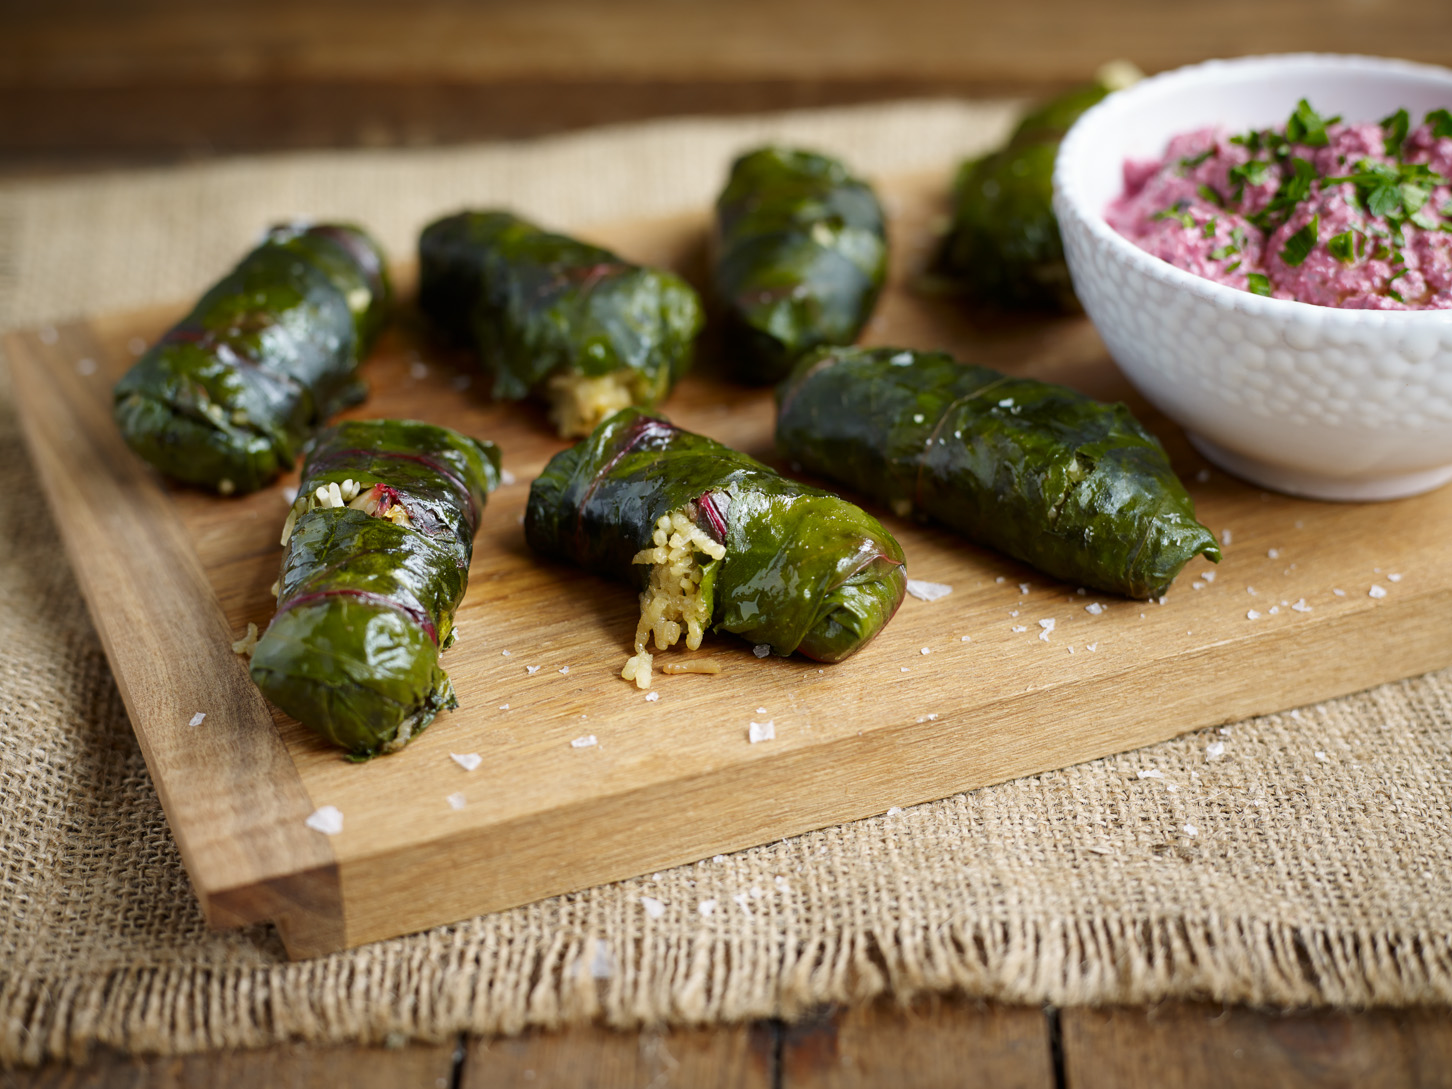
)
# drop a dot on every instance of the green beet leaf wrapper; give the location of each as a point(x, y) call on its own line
point(227, 397)
point(803, 570)
point(367, 594)
point(801, 256)
point(554, 318)
point(1003, 245)
point(1070, 485)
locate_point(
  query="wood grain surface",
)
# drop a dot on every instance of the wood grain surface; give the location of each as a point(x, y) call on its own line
point(971, 684)
point(82, 82)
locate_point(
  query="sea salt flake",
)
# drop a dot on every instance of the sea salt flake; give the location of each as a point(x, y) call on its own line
point(1208, 576)
point(928, 591)
point(1274, 609)
point(1225, 537)
point(894, 810)
point(418, 369)
point(504, 707)
point(1376, 591)
point(966, 639)
point(326, 819)
point(928, 718)
point(761, 650)
point(564, 670)
point(926, 650)
point(1047, 626)
point(1000, 579)
point(653, 907)
point(531, 669)
point(197, 719)
point(1273, 553)
point(457, 801)
point(48, 334)
point(1171, 787)
point(1093, 646)
point(506, 478)
point(1321, 756)
point(136, 345)
point(1023, 587)
point(1197, 585)
point(468, 760)
point(1300, 606)
point(1094, 608)
point(1151, 773)
point(651, 697)
point(1253, 614)
point(761, 731)
point(707, 908)
point(1215, 750)
point(1394, 578)
point(1296, 715)
point(1191, 831)
point(85, 367)
point(740, 899)
point(904, 669)
point(1163, 599)
point(504, 654)
point(584, 742)
point(761, 710)
point(1251, 591)
point(1339, 592)
point(1019, 627)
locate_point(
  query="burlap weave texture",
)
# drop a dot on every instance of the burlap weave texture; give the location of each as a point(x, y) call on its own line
point(1310, 863)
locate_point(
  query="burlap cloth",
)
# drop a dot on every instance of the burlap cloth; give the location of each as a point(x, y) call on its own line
point(1311, 863)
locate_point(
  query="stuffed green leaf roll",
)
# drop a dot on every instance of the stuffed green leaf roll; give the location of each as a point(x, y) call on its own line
point(227, 397)
point(801, 255)
point(377, 556)
point(555, 318)
point(715, 540)
point(1003, 245)
point(1073, 486)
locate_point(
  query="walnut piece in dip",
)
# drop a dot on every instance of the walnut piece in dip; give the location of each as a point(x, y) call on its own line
point(1321, 211)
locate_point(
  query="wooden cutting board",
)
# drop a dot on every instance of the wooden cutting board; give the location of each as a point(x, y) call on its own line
point(956, 693)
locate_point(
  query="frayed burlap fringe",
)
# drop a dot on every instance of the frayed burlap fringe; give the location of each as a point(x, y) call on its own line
point(433, 988)
point(1303, 859)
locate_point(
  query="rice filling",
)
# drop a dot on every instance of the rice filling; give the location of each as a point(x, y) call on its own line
point(579, 402)
point(677, 599)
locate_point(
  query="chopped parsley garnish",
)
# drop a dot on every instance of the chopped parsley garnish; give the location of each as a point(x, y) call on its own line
point(1343, 247)
point(1222, 252)
point(1441, 122)
point(1395, 127)
point(1232, 268)
point(1258, 283)
point(1209, 194)
point(1190, 162)
point(1299, 246)
point(1254, 172)
point(1293, 190)
point(1306, 126)
point(1395, 295)
point(1208, 230)
point(1395, 192)
point(1177, 212)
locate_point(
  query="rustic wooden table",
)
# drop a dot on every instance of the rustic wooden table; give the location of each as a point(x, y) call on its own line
point(86, 85)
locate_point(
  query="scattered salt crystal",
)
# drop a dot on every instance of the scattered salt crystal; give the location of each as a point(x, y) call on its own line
point(756, 893)
point(504, 654)
point(1214, 750)
point(1339, 592)
point(718, 858)
point(506, 477)
point(1274, 609)
point(1094, 608)
point(48, 334)
point(531, 669)
point(1197, 585)
point(602, 964)
point(1203, 476)
point(1394, 578)
point(740, 900)
point(1071, 650)
point(564, 670)
point(328, 820)
point(1251, 591)
point(761, 650)
point(1162, 599)
point(1225, 537)
point(1321, 756)
point(584, 742)
point(1093, 646)
point(1254, 614)
point(1296, 715)
point(928, 591)
point(761, 731)
point(504, 707)
point(904, 669)
point(1151, 773)
point(707, 908)
point(651, 697)
point(1191, 830)
point(1273, 553)
point(1019, 627)
point(653, 907)
point(418, 369)
point(136, 345)
point(893, 811)
point(86, 367)
point(1208, 576)
point(457, 801)
point(1013, 613)
point(926, 650)
point(1023, 587)
point(966, 639)
point(1376, 591)
point(761, 710)
point(197, 719)
point(467, 760)
point(1171, 787)
point(1047, 626)
point(1000, 579)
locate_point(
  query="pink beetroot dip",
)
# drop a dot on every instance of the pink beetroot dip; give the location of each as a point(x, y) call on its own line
point(1349, 215)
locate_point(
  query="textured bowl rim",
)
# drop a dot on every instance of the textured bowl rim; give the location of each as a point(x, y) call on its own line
point(1120, 106)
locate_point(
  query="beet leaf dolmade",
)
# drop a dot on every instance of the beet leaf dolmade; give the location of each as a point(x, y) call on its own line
point(800, 258)
point(555, 318)
point(1070, 485)
point(376, 560)
point(715, 540)
point(227, 397)
point(1003, 246)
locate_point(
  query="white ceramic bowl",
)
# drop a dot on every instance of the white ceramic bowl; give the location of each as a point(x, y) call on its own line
point(1311, 400)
